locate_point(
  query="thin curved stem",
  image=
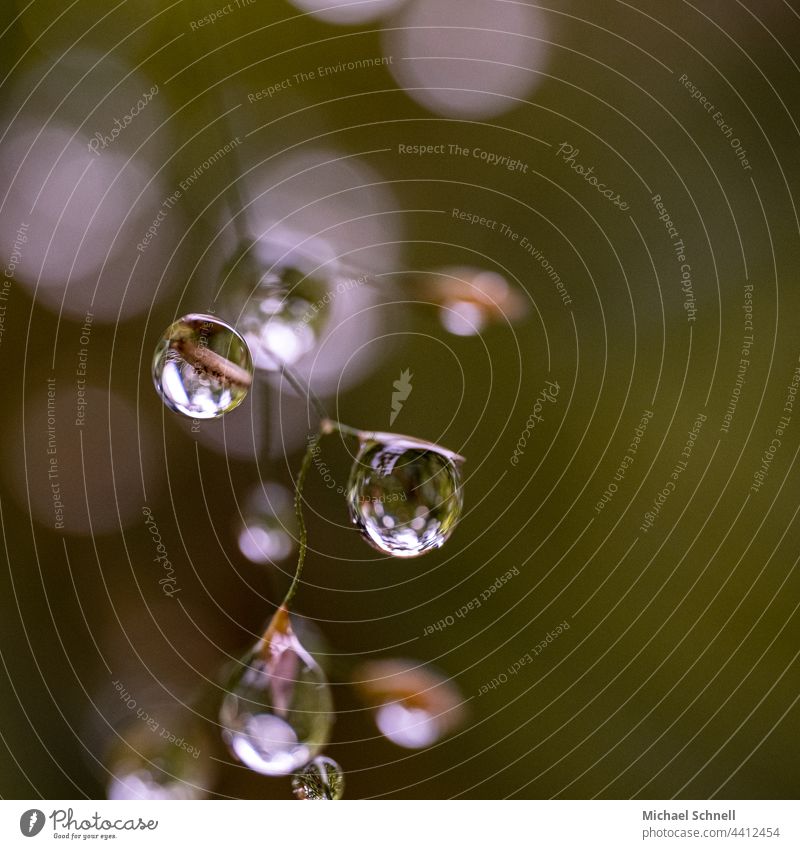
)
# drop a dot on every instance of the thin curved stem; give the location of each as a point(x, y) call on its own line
point(327, 426)
point(313, 444)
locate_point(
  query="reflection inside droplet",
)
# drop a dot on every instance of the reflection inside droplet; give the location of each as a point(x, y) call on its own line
point(267, 734)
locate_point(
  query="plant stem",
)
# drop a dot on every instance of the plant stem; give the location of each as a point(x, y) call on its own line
point(313, 443)
point(328, 426)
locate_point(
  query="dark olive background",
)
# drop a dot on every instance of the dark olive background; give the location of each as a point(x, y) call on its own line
point(687, 641)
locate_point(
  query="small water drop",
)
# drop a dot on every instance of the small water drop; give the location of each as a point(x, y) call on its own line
point(277, 714)
point(280, 300)
point(321, 779)
point(202, 367)
point(405, 494)
point(267, 532)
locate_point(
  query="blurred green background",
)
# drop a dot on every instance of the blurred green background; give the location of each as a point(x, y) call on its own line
point(678, 675)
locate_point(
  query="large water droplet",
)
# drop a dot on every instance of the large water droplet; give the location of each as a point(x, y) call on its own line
point(277, 714)
point(149, 762)
point(405, 494)
point(202, 367)
point(279, 300)
point(267, 530)
point(321, 779)
point(415, 705)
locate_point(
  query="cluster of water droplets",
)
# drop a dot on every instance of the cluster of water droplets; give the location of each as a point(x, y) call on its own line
point(403, 493)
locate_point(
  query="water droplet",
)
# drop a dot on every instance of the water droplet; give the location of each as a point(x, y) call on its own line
point(321, 779)
point(405, 494)
point(202, 367)
point(415, 706)
point(280, 301)
point(267, 530)
point(277, 714)
point(148, 763)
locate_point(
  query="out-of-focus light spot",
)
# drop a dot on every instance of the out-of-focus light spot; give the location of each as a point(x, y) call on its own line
point(262, 545)
point(327, 195)
point(462, 318)
point(278, 297)
point(267, 527)
point(144, 764)
point(347, 11)
point(468, 58)
point(79, 160)
point(410, 727)
point(470, 299)
point(326, 201)
point(146, 784)
point(415, 706)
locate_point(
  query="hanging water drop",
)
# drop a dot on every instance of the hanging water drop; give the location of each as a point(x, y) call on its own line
point(202, 367)
point(405, 494)
point(321, 779)
point(279, 299)
point(277, 714)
